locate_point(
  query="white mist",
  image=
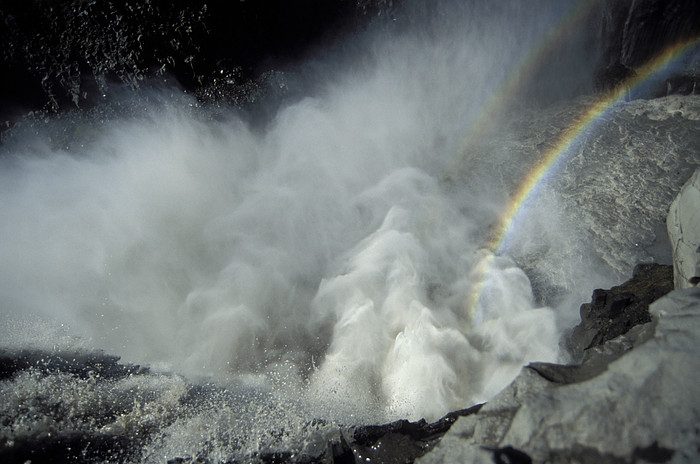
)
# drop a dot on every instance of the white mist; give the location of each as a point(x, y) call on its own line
point(324, 255)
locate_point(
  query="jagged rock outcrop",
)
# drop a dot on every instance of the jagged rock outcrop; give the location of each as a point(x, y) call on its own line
point(684, 231)
point(613, 312)
point(640, 407)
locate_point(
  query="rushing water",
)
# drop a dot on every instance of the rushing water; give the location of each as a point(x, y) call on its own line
point(321, 267)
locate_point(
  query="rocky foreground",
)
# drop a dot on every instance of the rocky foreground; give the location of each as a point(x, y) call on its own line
point(634, 399)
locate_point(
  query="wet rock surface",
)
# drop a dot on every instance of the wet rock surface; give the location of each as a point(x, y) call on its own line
point(635, 31)
point(81, 365)
point(629, 400)
point(613, 312)
point(683, 225)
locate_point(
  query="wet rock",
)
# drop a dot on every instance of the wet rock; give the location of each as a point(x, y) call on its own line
point(80, 364)
point(400, 442)
point(683, 225)
point(67, 449)
point(509, 455)
point(635, 31)
point(613, 312)
point(63, 407)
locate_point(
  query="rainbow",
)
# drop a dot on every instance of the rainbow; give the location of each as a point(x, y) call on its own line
point(553, 158)
point(571, 136)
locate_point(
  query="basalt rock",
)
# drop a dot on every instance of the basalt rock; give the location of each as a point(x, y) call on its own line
point(683, 225)
point(83, 365)
point(399, 442)
point(613, 312)
point(635, 32)
point(89, 407)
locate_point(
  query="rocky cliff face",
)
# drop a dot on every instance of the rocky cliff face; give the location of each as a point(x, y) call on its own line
point(635, 31)
point(612, 313)
point(684, 231)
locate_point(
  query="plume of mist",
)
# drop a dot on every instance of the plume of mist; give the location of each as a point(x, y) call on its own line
point(328, 240)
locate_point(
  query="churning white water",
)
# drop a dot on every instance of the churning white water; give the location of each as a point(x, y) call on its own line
point(325, 259)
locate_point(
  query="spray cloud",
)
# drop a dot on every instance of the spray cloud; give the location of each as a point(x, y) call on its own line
point(326, 248)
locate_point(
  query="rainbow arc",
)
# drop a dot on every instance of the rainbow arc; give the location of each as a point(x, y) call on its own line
point(562, 148)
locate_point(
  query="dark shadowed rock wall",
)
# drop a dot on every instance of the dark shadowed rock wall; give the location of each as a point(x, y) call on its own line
point(633, 32)
point(63, 54)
